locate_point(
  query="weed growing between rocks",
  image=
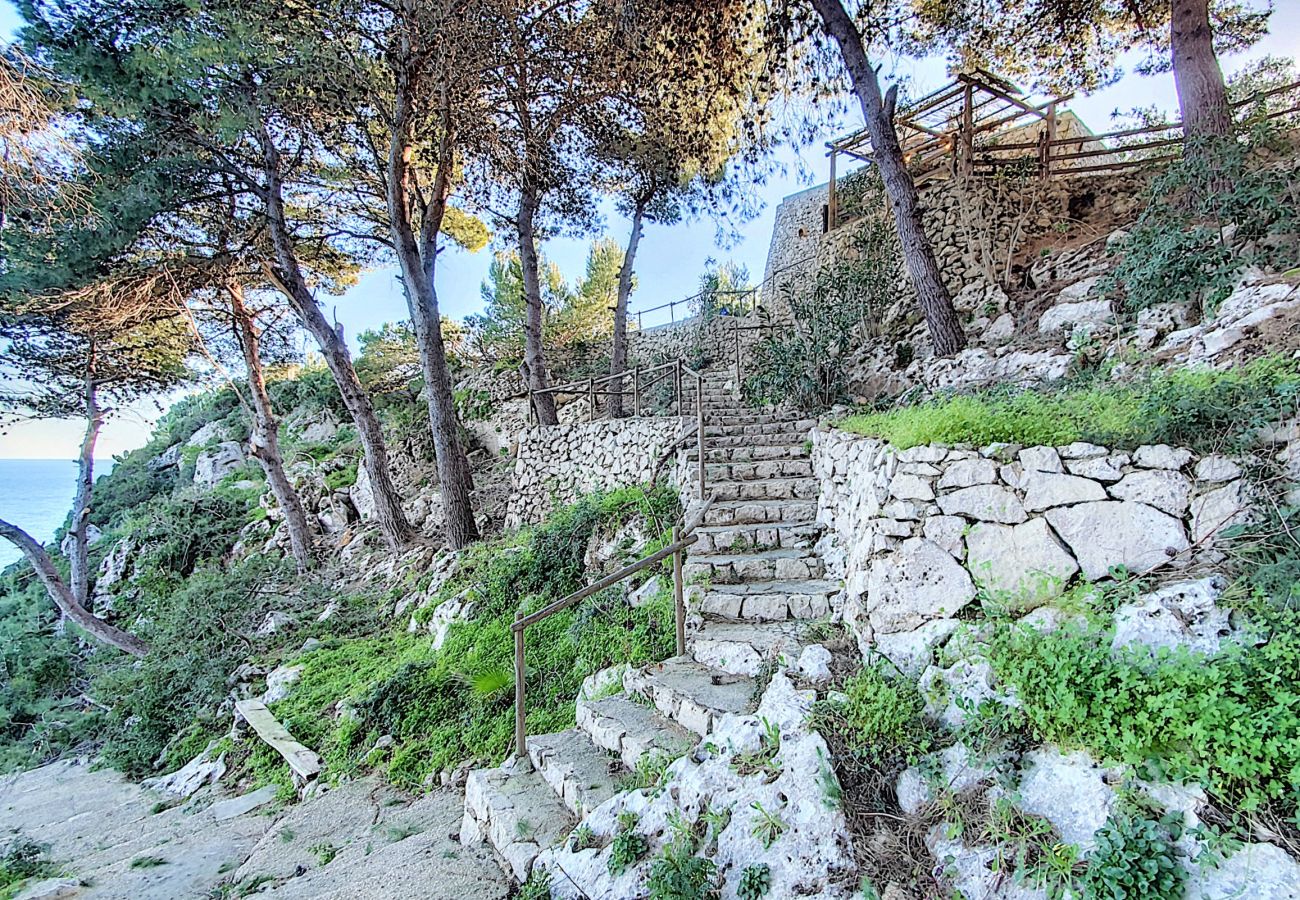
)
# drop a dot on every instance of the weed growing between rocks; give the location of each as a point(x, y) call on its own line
point(23, 860)
point(677, 873)
point(876, 732)
point(1205, 410)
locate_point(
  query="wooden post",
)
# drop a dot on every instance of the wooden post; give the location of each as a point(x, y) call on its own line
point(699, 427)
point(591, 399)
point(1051, 139)
point(636, 391)
point(832, 199)
point(521, 741)
point(968, 130)
point(638, 320)
point(735, 330)
point(677, 387)
point(672, 315)
point(679, 601)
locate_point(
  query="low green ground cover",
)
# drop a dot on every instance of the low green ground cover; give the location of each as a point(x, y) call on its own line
point(1205, 409)
point(456, 703)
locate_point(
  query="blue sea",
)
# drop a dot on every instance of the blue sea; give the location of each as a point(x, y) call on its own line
point(35, 495)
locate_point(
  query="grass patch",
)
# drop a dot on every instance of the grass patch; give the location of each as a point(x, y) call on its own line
point(1206, 410)
point(457, 703)
point(148, 862)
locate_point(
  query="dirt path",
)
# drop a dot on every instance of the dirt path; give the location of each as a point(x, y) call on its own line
point(115, 840)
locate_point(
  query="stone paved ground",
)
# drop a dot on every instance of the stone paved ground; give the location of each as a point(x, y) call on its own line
point(382, 844)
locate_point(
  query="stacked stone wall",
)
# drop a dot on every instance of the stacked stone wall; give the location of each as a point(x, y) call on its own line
point(561, 463)
point(920, 534)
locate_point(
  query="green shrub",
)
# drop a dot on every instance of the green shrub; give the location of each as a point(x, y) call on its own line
point(882, 718)
point(342, 478)
point(677, 875)
point(1135, 859)
point(23, 859)
point(1176, 250)
point(1230, 722)
point(1207, 410)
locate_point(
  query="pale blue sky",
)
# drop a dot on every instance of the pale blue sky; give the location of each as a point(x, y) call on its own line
point(670, 259)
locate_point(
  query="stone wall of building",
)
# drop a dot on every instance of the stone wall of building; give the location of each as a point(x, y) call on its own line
point(982, 229)
point(559, 464)
point(919, 534)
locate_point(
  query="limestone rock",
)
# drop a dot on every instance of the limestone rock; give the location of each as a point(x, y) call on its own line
point(1069, 790)
point(1258, 871)
point(911, 487)
point(1118, 533)
point(1216, 468)
point(1081, 450)
point(1105, 468)
point(968, 473)
point(1184, 614)
point(815, 664)
point(946, 531)
point(1219, 509)
point(986, 503)
point(971, 680)
point(203, 769)
point(1040, 459)
point(646, 593)
point(363, 494)
point(1000, 330)
point(1022, 565)
point(912, 651)
point(1067, 317)
point(1165, 489)
point(919, 582)
point(280, 682)
point(1044, 490)
point(1162, 456)
point(213, 465)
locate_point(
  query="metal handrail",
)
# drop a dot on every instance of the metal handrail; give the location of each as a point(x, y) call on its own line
point(683, 536)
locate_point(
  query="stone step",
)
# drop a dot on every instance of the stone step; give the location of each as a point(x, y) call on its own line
point(800, 427)
point(757, 453)
point(631, 729)
point(581, 774)
point(796, 439)
point(747, 512)
point(760, 536)
point(769, 601)
point(751, 471)
point(755, 566)
point(745, 648)
point(729, 417)
point(516, 812)
point(691, 694)
point(768, 489)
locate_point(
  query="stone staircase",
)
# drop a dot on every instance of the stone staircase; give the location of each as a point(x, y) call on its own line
point(757, 585)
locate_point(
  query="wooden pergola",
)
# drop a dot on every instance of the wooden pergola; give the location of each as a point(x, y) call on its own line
point(941, 132)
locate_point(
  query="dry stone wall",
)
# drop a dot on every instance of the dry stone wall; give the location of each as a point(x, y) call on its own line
point(919, 534)
point(560, 463)
point(975, 225)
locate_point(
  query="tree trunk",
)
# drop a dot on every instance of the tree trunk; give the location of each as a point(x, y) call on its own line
point(419, 263)
point(618, 353)
point(289, 280)
point(936, 303)
point(534, 357)
point(78, 557)
point(62, 596)
point(265, 439)
point(1202, 96)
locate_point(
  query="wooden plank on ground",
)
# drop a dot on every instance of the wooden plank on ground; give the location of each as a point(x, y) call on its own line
point(268, 728)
